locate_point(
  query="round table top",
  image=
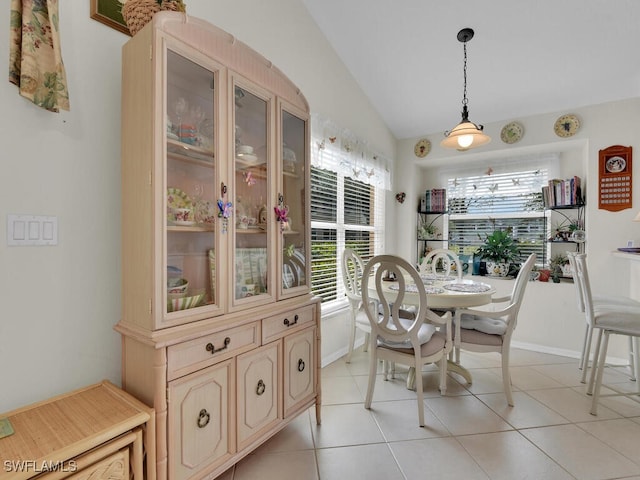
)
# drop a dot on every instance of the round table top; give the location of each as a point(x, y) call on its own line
point(444, 294)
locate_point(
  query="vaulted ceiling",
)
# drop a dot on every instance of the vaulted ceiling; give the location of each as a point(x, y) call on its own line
point(526, 58)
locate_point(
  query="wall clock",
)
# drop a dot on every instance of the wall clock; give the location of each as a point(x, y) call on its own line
point(422, 148)
point(512, 132)
point(566, 125)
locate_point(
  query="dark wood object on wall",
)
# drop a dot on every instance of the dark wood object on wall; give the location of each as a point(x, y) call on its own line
point(615, 185)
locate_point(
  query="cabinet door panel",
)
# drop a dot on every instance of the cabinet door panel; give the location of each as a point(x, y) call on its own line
point(299, 368)
point(293, 166)
point(192, 186)
point(259, 395)
point(200, 417)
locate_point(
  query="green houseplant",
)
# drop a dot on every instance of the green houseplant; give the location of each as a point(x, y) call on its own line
point(499, 250)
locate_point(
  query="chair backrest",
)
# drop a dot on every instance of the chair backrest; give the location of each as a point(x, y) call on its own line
point(517, 294)
point(442, 258)
point(579, 294)
point(582, 274)
point(385, 319)
point(352, 271)
point(291, 271)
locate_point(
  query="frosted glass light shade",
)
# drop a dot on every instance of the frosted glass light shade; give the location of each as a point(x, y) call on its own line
point(464, 136)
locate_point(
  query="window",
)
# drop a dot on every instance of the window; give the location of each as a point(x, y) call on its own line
point(343, 214)
point(511, 199)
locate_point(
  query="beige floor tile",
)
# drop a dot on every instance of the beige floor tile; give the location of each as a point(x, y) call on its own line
point(295, 436)
point(399, 421)
point(473, 360)
point(571, 404)
point(385, 390)
point(344, 425)
point(465, 415)
point(580, 453)
point(567, 374)
point(485, 380)
point(437, 458)
point(340, 390)
point(510, 456)
point(622, 435)
point(520, 356)
point(526, 378)
point(527, 412)
point(358, 462)
point(336, 369)
point(278, 466)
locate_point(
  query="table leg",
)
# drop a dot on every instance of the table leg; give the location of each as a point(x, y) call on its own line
point(452, 367)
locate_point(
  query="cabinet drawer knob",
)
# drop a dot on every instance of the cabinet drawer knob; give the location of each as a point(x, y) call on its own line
point(203, 418)
point(301, 365)
point(289, 323)
point(211, 348)
point(261, 387)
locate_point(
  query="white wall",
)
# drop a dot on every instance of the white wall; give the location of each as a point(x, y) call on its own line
point(60, 302)
point(549, 316)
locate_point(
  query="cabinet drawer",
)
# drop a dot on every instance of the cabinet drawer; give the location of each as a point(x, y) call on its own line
point(195, 354)
point(279, 325)
point(114, 467)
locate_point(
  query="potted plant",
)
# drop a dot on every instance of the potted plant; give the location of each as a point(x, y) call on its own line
point(559, 266)
point(499, 250)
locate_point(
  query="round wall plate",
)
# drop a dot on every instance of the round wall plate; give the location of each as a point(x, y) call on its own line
point(512, 132)
point(422, 148)
point(566, 125)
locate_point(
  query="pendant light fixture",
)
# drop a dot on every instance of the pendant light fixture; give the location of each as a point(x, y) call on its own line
point(466, 134)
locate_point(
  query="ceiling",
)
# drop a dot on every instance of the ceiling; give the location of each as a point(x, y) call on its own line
point(526, 58)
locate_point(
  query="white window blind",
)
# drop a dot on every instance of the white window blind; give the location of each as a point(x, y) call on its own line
point(347, 207)
point(505, 197)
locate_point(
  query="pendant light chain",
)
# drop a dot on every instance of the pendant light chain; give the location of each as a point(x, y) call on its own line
point(464, 95)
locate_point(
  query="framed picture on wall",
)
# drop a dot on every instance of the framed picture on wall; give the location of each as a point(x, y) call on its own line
point(109, 13)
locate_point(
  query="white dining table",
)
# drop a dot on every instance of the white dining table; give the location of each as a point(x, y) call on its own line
point(443, 293)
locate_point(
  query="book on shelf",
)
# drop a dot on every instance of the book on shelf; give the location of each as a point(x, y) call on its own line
point(435, 200)
point(562, 192)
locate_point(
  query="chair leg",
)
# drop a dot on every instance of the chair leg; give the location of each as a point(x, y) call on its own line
point(443, 375)
point(633, 357)
point(365, 347)
point(506, 377)
point(594, 364)
point(600, 367)
point(586, 350)
point(420, 394)
point(352, 336)
point(373, 370)
point(636, 359)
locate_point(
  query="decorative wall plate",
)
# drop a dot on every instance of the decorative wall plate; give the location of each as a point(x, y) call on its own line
point(566, 125)
point(422, 148)
point(512, 133)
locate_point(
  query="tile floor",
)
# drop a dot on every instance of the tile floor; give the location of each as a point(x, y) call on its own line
point(471, 433)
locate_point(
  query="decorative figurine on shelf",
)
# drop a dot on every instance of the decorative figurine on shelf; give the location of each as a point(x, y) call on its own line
point(282, 211)
point(224, 212)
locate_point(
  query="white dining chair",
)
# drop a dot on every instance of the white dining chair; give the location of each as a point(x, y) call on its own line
point(441, 263)
point(422, 339)
point(634, 362)
point(608, 319)
point(352, 270)
point(491, 331)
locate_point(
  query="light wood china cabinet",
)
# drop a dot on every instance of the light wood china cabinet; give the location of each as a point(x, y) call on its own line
point(220, 333)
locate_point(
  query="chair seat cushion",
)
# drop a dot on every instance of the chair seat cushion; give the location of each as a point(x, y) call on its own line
point(425, 333)
point(622, 318)
point(492, 326)
point(477, 337)
point(435, 344)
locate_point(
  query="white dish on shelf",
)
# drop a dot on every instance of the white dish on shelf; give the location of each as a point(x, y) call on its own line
point(184, 223)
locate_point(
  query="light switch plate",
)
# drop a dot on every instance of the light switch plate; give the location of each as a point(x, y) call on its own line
point(25, 230)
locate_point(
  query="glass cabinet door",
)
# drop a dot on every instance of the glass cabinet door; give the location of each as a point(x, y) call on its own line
point(291, 199)
point(191, 185)
point(251, 193)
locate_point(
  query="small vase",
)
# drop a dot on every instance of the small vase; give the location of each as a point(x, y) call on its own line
point(497, 269)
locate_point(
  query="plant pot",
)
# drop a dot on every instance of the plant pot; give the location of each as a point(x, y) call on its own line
point(497, 269)
point(544, 275)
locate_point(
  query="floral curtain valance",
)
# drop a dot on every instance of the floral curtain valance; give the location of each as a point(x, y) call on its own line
point(339, 150)
point(35, 57)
